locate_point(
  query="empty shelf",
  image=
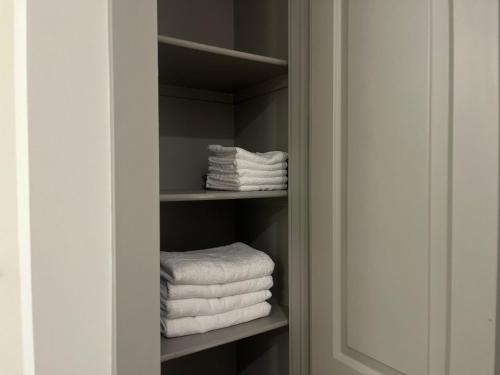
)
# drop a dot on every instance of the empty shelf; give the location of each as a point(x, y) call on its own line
point(196, 65)
point(181, 346)
point(209, 195)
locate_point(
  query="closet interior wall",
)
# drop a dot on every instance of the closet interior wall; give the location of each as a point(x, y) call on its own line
point(255, 118)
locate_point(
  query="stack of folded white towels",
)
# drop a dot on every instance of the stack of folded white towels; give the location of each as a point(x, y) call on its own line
point(233, 168)
point(203, 290)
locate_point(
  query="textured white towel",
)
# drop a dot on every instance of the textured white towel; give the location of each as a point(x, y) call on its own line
point(202, 324)
point(230, 163)
point(238, 181)
point(235, 172)
point(223, 186)
point(218, 265)
point(271, 157)
point(175, 292)
point(210, 306)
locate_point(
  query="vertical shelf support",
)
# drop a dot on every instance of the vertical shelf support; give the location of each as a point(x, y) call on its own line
point(298, 142)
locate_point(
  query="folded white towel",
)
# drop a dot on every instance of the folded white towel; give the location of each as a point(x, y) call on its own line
point(235, 172)
point(221, 162)
point(202, 324)
point(250, 180)
point(271, 157)
point(223, 186)
point(218, 265)
point(210, 306)
point(175, 292)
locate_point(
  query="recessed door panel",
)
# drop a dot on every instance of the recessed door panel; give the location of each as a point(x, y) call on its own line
point(387, 198)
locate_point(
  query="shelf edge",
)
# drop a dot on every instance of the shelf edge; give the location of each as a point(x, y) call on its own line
point(230, 338)
point(221, 51)
point(219, 196)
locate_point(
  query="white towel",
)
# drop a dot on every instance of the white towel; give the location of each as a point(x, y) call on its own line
point(239, 181)
point(235, 172)
point(211, 306)
point(218, 265)
point(175, 292)
point(202, 324)
point(230, 163)
point(223, 186)
point(271, 157)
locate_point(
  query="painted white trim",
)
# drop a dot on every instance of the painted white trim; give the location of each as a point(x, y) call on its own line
point(23, 181)
point(114, 364)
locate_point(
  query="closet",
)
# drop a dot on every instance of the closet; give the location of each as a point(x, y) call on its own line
point(187, 74)
point(398, 234)
point(223, 79)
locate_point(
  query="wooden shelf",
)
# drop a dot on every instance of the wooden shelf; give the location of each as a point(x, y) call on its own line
point(180, 346)
point(214, 195)
point(189, 64)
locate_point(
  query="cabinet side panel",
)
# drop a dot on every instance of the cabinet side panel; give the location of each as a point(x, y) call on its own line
point(136, 187)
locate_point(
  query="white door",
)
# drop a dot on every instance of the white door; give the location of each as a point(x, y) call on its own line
point(404, 186)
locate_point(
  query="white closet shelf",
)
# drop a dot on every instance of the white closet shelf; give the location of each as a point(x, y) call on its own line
point(189, 64)
point(213, 195)
point(180, 346)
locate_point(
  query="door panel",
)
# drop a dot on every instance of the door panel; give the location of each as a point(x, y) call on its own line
point(382, 208)
point(386, 190)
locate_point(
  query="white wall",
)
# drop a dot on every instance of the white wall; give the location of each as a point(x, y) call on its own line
point(10, 301)
point(65, 151)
